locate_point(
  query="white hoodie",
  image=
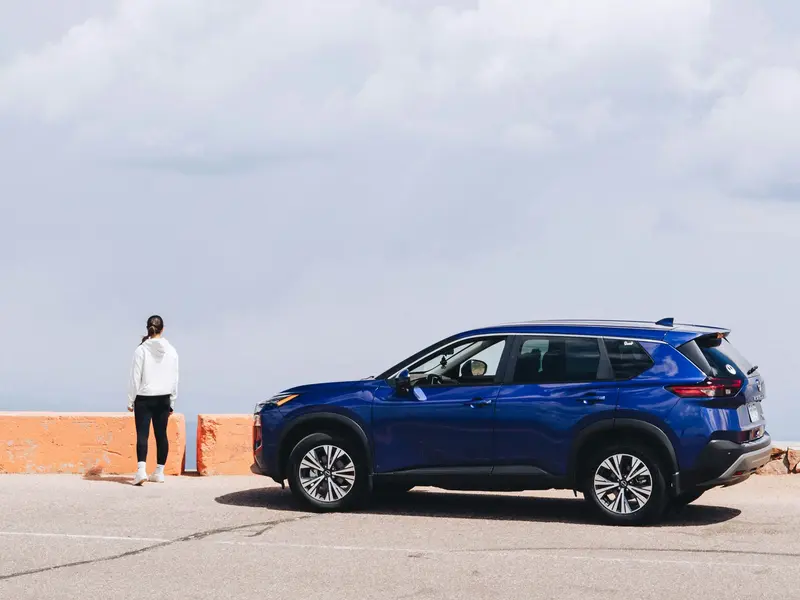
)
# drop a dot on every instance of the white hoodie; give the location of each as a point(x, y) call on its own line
point(155, 371)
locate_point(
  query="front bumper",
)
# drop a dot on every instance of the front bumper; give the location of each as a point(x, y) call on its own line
point(265, 452)
point(723, 462)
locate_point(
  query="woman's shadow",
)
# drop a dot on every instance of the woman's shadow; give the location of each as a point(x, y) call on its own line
point(96, 474)
point(499, 507)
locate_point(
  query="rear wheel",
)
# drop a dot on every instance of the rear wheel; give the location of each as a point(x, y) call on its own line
point(327, 473)
point(625, 485)
point(684, 499)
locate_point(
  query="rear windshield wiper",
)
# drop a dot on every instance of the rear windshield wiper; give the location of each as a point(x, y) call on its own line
point(753, 370)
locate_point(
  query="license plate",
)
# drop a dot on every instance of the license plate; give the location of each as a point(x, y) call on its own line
point(755, 415)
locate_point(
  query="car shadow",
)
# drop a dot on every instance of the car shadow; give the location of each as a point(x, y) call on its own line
point(500, 507)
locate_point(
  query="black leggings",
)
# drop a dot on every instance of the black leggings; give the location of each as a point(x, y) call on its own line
point(157, 410)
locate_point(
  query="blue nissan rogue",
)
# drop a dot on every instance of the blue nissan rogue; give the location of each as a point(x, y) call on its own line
point(638, 417)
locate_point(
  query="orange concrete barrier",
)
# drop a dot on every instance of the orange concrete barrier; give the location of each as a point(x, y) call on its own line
point(224, 444)
point(85, 443)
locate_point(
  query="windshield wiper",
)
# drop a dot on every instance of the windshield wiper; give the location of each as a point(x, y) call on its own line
point(753, 370)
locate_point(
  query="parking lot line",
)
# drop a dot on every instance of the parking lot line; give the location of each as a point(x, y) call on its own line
point(120, 538)
point(553, 554)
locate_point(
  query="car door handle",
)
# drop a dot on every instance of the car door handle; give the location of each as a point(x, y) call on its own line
point(478, 402)
point(591, 398)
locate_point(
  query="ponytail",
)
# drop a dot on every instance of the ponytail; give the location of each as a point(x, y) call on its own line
point(155, 325)
point(151, 331)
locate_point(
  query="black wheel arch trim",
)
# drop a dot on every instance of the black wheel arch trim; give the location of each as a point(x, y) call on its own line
point(624, 423)
point(323, 417)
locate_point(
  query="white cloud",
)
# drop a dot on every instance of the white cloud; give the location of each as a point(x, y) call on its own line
point(180, 76)
point(752, 136)
point(188, 78)
point(207, 81)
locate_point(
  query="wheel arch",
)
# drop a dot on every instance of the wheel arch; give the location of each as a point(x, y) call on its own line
point(615, 430)
point(328, 422)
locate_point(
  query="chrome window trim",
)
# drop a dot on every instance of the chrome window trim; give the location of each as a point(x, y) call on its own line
point(527, 334)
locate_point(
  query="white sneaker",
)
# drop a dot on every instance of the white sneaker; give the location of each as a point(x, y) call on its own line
point(157, 478)
point(140, 478)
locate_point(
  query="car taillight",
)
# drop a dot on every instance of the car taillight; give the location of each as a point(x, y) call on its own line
point(256, 434)
point(710, 388)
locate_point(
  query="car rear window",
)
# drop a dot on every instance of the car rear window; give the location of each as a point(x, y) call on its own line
point(716, 357)
point(628, 358)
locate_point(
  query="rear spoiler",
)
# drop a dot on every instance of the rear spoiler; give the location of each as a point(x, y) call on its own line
point(681, 337)
point(681, 333)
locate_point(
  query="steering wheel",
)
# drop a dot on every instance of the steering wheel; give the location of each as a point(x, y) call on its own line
point(434, 379)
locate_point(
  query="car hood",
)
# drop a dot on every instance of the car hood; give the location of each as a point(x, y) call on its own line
point(331, 387)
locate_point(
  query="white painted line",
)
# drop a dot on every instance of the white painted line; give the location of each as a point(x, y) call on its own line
point(118, 538)
point(554, 555)
point(531, 553)
point(336, 547)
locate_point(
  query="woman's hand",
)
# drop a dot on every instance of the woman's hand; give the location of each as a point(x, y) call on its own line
point(130, 409)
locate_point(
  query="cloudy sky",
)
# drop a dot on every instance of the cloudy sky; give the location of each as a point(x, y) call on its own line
point(312, 190)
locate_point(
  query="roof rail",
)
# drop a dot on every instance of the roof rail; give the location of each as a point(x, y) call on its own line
point(666, 322)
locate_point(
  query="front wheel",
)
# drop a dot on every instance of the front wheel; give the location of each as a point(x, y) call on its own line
point(625, 485)
point(327, 473)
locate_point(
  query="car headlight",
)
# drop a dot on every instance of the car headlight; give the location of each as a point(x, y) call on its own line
point(277, 400)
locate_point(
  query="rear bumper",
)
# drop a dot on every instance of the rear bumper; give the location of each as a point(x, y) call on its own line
point(726, 463)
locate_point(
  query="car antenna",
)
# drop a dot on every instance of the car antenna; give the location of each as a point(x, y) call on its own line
point(666, 322)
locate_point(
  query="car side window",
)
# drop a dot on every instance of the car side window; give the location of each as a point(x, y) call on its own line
point(551, 359)
point(472, 363)
point(490, 356)
point(628, 358)
point(435, 360)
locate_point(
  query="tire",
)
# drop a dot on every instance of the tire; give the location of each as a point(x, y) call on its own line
point(634, 506)
point(683, 499)
point(320, 489)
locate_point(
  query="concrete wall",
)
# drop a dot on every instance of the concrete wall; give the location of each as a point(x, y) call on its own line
point(224, 444)
point(84, 443)
point(97, 443)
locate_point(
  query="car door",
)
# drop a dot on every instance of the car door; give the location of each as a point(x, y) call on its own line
point(445, 427)
point(554, 387)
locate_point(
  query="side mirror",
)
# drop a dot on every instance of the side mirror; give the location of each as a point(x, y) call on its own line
point(403, 383)
point(477, 368)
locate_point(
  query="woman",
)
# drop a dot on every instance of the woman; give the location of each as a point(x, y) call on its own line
point(151, 396)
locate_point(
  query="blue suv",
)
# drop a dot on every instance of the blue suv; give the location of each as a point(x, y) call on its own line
point(638, 417)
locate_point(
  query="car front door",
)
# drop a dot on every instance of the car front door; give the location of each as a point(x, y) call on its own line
point(445, 427)
point(554, 387)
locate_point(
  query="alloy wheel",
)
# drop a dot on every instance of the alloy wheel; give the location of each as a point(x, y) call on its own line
point(327, 473)
point(623, 484)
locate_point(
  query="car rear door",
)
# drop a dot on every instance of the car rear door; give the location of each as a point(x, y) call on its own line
point(554, 386)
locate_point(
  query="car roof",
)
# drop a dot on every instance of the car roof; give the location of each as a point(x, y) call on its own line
point(648, 330)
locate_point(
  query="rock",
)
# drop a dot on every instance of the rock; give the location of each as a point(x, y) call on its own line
point(777, 453)
point(778, 466)
point(793, 459)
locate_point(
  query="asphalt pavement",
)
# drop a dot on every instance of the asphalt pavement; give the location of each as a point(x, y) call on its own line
point(66, 537)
